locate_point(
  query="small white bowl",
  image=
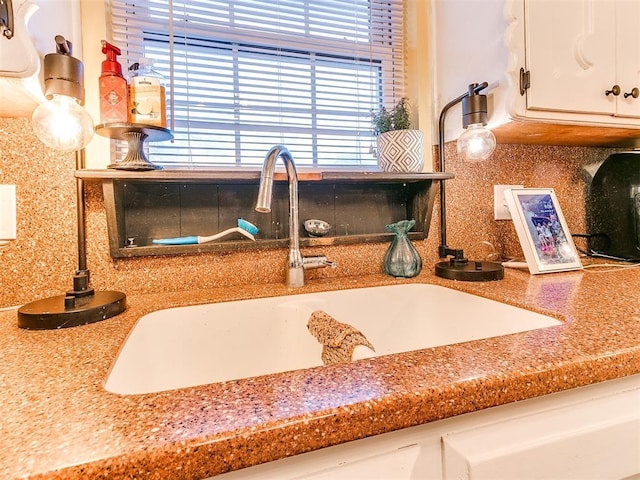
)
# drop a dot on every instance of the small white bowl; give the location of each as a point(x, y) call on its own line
point(317, 228)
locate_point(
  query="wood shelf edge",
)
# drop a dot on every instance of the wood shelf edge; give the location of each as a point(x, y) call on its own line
point(242, 245)
point(254, 175)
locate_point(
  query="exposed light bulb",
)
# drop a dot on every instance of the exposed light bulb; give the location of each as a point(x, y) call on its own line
point(476, 143)
point(62, 124)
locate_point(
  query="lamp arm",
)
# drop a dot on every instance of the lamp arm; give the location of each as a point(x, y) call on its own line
point(81, 217)
point(443, 249)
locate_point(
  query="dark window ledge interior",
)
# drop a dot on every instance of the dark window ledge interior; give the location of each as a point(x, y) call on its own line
point(142, 206)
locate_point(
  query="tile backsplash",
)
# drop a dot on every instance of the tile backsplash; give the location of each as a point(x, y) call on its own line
point(42, 259)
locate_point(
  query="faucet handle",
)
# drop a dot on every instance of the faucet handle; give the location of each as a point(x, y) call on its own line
point(329, 263)
point(317, 261)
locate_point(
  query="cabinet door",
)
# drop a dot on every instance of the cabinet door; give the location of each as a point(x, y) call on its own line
point(596, 438)
point(628, 56)
point(410, 454)
point(570, 53)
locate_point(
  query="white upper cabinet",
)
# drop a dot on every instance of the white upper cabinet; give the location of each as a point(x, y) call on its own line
point(628, 56)
point(18, 56)
point(548, 63)
point(583, 56)
point(35, 24)
point(570, 53)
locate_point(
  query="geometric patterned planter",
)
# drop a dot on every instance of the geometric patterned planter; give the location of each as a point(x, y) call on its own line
point(400, 151)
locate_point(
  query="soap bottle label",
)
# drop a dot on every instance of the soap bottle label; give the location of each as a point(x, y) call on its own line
point(147, 101)
point(113, 99)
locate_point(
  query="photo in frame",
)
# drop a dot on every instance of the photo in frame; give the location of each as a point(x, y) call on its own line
point(542, 230)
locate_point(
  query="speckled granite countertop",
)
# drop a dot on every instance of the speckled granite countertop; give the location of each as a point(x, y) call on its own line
point(57, 421)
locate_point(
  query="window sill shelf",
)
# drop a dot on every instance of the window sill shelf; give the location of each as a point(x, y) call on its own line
point(141, 206)
point(251, 175)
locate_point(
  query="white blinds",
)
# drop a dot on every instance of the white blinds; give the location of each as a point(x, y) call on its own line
point(248, 74)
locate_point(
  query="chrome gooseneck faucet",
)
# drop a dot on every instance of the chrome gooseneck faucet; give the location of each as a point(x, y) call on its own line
point(296, 263)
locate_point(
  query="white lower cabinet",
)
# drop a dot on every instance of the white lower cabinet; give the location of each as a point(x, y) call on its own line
point(587, 433)
point(595, 438)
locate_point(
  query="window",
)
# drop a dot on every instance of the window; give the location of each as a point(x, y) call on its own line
point(245, 75)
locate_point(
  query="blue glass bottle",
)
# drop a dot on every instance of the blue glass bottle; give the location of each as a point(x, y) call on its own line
point(402, 259)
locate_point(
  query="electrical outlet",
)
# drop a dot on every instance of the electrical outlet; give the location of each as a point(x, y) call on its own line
point(7, 213)
point(500, 208)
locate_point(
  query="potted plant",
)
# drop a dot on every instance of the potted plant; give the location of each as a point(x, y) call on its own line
point(399, 147)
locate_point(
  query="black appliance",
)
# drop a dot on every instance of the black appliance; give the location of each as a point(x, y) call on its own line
point(613, 207)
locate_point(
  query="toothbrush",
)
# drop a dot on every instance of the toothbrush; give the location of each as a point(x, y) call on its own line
point(245, 228)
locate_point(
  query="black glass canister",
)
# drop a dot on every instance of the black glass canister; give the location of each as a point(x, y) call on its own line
point(613, 207)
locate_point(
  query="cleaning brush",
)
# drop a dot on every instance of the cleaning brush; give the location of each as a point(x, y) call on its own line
point(245, 228)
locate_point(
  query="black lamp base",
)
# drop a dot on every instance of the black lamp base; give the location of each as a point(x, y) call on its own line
point(470, 271)
point(64, 311)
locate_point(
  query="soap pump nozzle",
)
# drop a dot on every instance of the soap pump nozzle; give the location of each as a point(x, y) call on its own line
point(111, 66)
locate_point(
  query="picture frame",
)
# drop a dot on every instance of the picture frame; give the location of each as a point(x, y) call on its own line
point(542, 230)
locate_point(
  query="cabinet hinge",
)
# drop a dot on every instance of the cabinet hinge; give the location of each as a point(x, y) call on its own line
point(525, 80)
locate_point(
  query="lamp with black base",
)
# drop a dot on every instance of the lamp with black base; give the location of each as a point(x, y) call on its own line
point(476, 143)
point(61, 123)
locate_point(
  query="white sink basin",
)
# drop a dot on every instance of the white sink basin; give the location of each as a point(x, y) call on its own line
point(201, 344)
